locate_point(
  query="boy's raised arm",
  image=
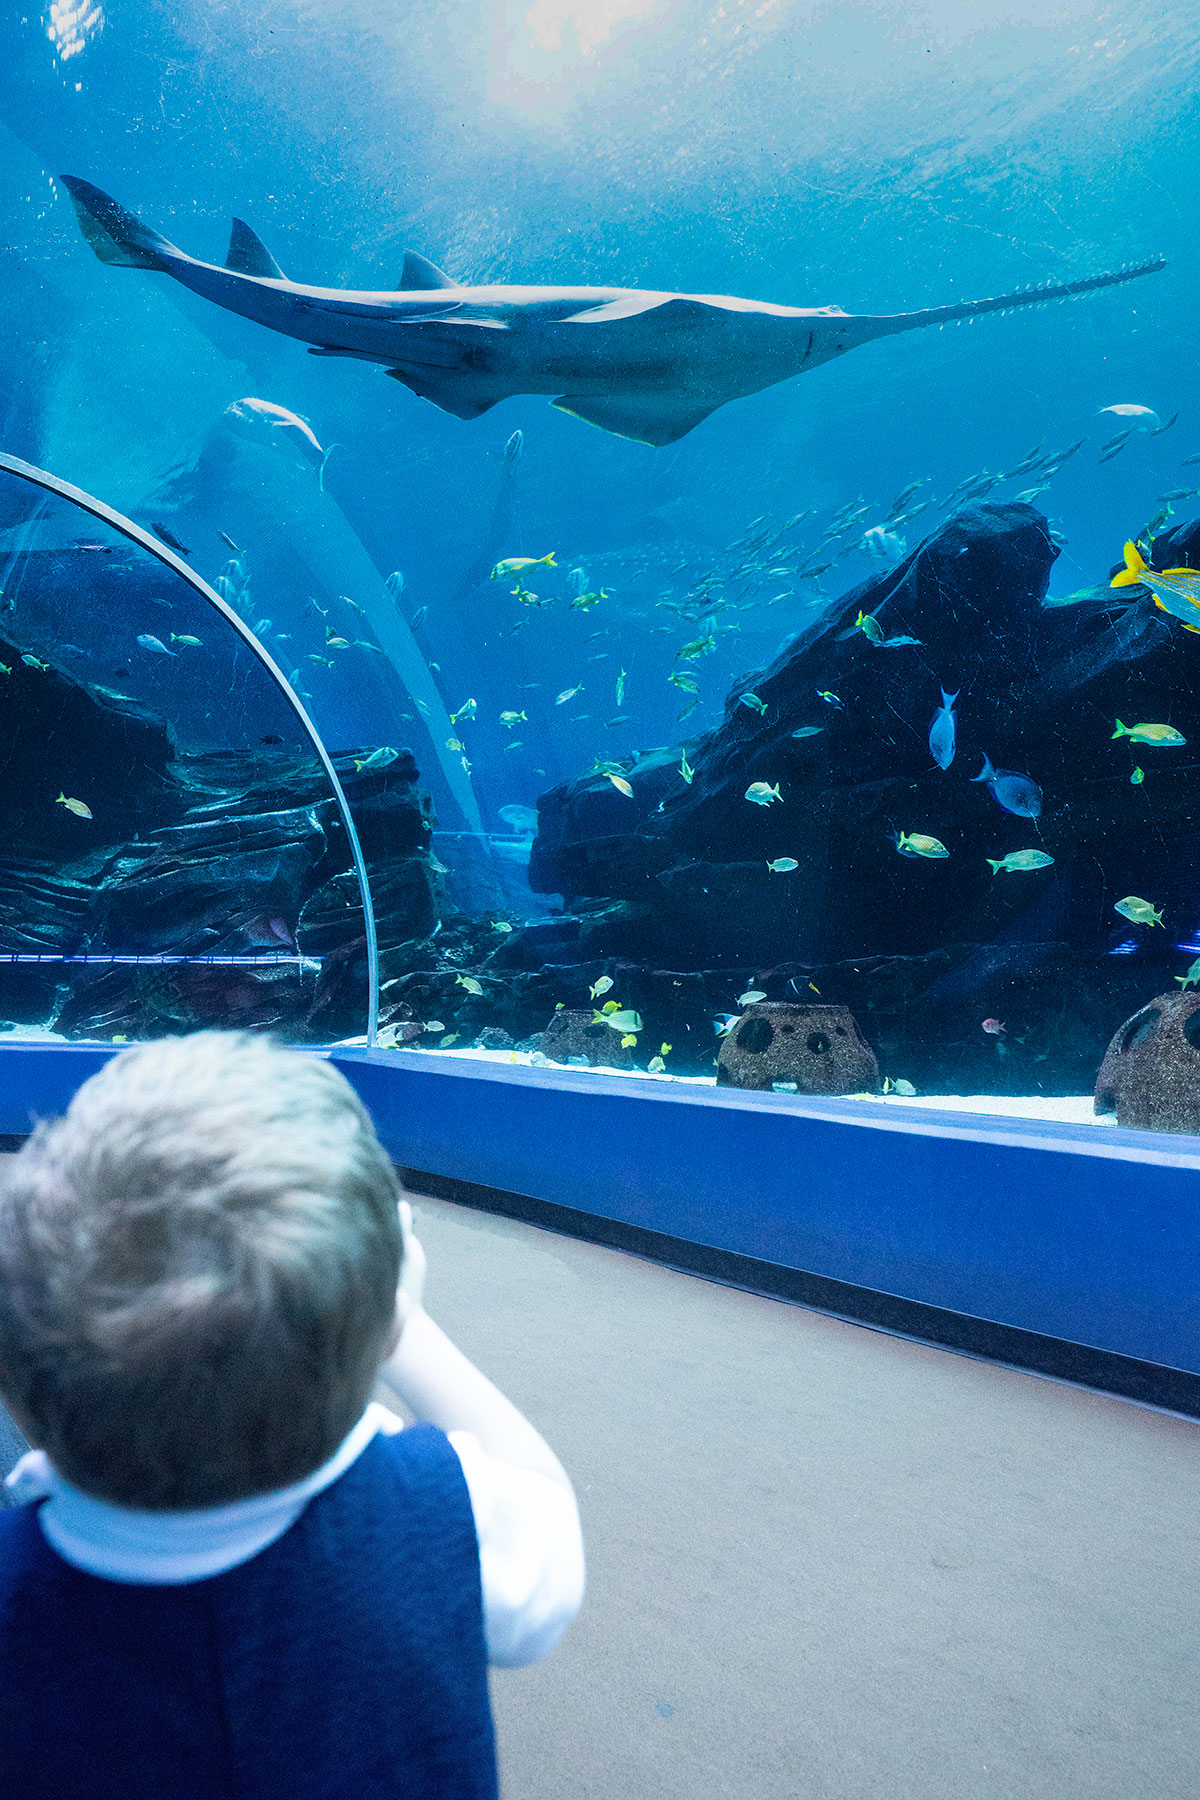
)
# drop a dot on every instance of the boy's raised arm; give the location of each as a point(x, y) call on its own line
point(436, 1382)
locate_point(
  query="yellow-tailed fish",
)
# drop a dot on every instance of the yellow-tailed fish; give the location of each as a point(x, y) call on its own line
point(1020, 859)
point(754, 703)
point(1176, 591)
point(622, 786)
point(686, 770)
point(515, 565)
point(916, 843)
point(1141, 912)
point(76, 806)
point(600, 987)
point(469, 982)
point(511, 718)
point(1192, 978)
point(870, 627)
point(1165, 735)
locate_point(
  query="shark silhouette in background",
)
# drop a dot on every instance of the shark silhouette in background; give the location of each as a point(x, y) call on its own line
point(642, 364)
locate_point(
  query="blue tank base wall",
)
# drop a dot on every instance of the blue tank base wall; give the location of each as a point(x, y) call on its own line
point(1069, 1250)
point(1151, 1384)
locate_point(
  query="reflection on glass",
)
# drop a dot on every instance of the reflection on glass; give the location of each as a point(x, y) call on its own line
point(171, 850)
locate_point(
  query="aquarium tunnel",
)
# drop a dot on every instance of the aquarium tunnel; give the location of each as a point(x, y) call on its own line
point(662, 636)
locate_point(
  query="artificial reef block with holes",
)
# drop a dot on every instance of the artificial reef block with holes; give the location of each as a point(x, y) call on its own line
point(1150, 1077)
point(818, 1048)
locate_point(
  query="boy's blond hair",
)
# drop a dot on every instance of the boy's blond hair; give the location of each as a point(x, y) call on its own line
point(198, 1270)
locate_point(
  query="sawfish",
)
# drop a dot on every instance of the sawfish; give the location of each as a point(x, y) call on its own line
point(642, 364)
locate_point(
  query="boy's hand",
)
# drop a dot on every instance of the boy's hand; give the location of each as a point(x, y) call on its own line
point(410, 1293)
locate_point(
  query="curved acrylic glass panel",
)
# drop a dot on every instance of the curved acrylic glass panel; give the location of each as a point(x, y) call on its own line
point(175, 847)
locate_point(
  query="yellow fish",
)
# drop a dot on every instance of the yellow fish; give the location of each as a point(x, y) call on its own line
point(622, 786)
point(915, 843)
point(76, 806)
point(1151, 734)
point(515, 565)
point(1176, 591)
point(512, 718)
point(469, 982)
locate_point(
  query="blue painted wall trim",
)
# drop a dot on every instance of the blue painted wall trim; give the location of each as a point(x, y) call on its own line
point(1085, 1235)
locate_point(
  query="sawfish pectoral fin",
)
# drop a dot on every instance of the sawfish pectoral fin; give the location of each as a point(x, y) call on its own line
point(453, 391)
point(647, 418)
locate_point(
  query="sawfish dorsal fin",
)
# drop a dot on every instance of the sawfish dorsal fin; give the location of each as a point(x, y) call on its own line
point(419, 272)
point(248, 255)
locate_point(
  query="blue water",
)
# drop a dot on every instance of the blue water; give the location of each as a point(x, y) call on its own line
point(876, 157)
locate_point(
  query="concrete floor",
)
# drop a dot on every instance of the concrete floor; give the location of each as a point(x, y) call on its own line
point(826, 1563)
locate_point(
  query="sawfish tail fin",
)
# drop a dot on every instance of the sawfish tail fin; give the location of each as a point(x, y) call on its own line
point(971, 309)
point(116, 235)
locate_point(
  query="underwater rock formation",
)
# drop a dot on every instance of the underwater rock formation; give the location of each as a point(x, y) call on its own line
point(1041, 687)
point(198, 853)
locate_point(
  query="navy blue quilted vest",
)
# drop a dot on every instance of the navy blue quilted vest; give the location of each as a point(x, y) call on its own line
point(344, 1662)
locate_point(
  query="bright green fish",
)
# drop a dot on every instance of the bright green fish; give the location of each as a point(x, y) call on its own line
point(516, 565)
point(915, 843)
point(1020, 859)
point(1140, 911)
point(870, 627)
point(1165, 735)
point(1192, 978)
point(469, 982)
point(686, 770)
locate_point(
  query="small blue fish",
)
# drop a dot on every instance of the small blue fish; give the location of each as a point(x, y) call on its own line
point(942, 744)
point(155, 644)
point(1019, 794)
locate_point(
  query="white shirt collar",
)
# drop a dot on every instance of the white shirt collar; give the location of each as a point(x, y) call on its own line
point(158, 1548)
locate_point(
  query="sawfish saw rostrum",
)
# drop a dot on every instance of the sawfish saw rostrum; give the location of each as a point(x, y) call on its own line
point(644, 365)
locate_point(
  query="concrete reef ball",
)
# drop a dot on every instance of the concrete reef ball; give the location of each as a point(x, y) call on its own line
point(817, 1047)
point(1150, 1076)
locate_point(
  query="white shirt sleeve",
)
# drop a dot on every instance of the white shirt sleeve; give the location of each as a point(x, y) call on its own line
point(530, 1552)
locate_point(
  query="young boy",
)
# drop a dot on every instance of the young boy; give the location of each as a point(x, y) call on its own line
point(230, 1573)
